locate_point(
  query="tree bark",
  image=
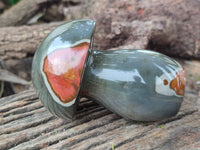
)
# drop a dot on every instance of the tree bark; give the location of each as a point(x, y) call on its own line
point(162, 34)
point(165, 26)
point(183, 39)
point(22, 12)
point(19, 42)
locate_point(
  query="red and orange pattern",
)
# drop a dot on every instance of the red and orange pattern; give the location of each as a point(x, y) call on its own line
point(178, 83)
point(63, 69)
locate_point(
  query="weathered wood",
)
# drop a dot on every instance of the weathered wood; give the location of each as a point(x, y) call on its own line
point(95, 128)
point(26, 124)
point(166, 26)
point(5, 75)
point(182, 37)
point(18, 42)
point(22, 12)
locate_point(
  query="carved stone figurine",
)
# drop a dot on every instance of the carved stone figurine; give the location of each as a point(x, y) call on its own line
point(137, 84)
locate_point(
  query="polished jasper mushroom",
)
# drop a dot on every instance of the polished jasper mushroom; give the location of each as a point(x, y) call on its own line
point(136, 84)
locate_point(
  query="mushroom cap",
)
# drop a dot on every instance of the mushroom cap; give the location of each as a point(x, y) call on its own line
point(58, 66)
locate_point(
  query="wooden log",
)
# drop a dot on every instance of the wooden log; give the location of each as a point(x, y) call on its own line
point(21, 42)
point(182, 37)
point(166, 26)
point(26, 124)
point(22, 12)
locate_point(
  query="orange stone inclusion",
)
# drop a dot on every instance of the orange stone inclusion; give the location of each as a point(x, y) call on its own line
point(63, 69)
point(178, 83)
point(165, 82)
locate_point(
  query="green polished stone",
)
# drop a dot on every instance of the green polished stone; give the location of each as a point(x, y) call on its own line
point(136, 84)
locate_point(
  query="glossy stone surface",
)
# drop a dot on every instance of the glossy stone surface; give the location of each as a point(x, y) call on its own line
point(58, 66)
point(136, 84)
point(63, 69)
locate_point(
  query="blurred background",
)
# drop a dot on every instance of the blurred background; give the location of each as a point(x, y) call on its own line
point(171, 27)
